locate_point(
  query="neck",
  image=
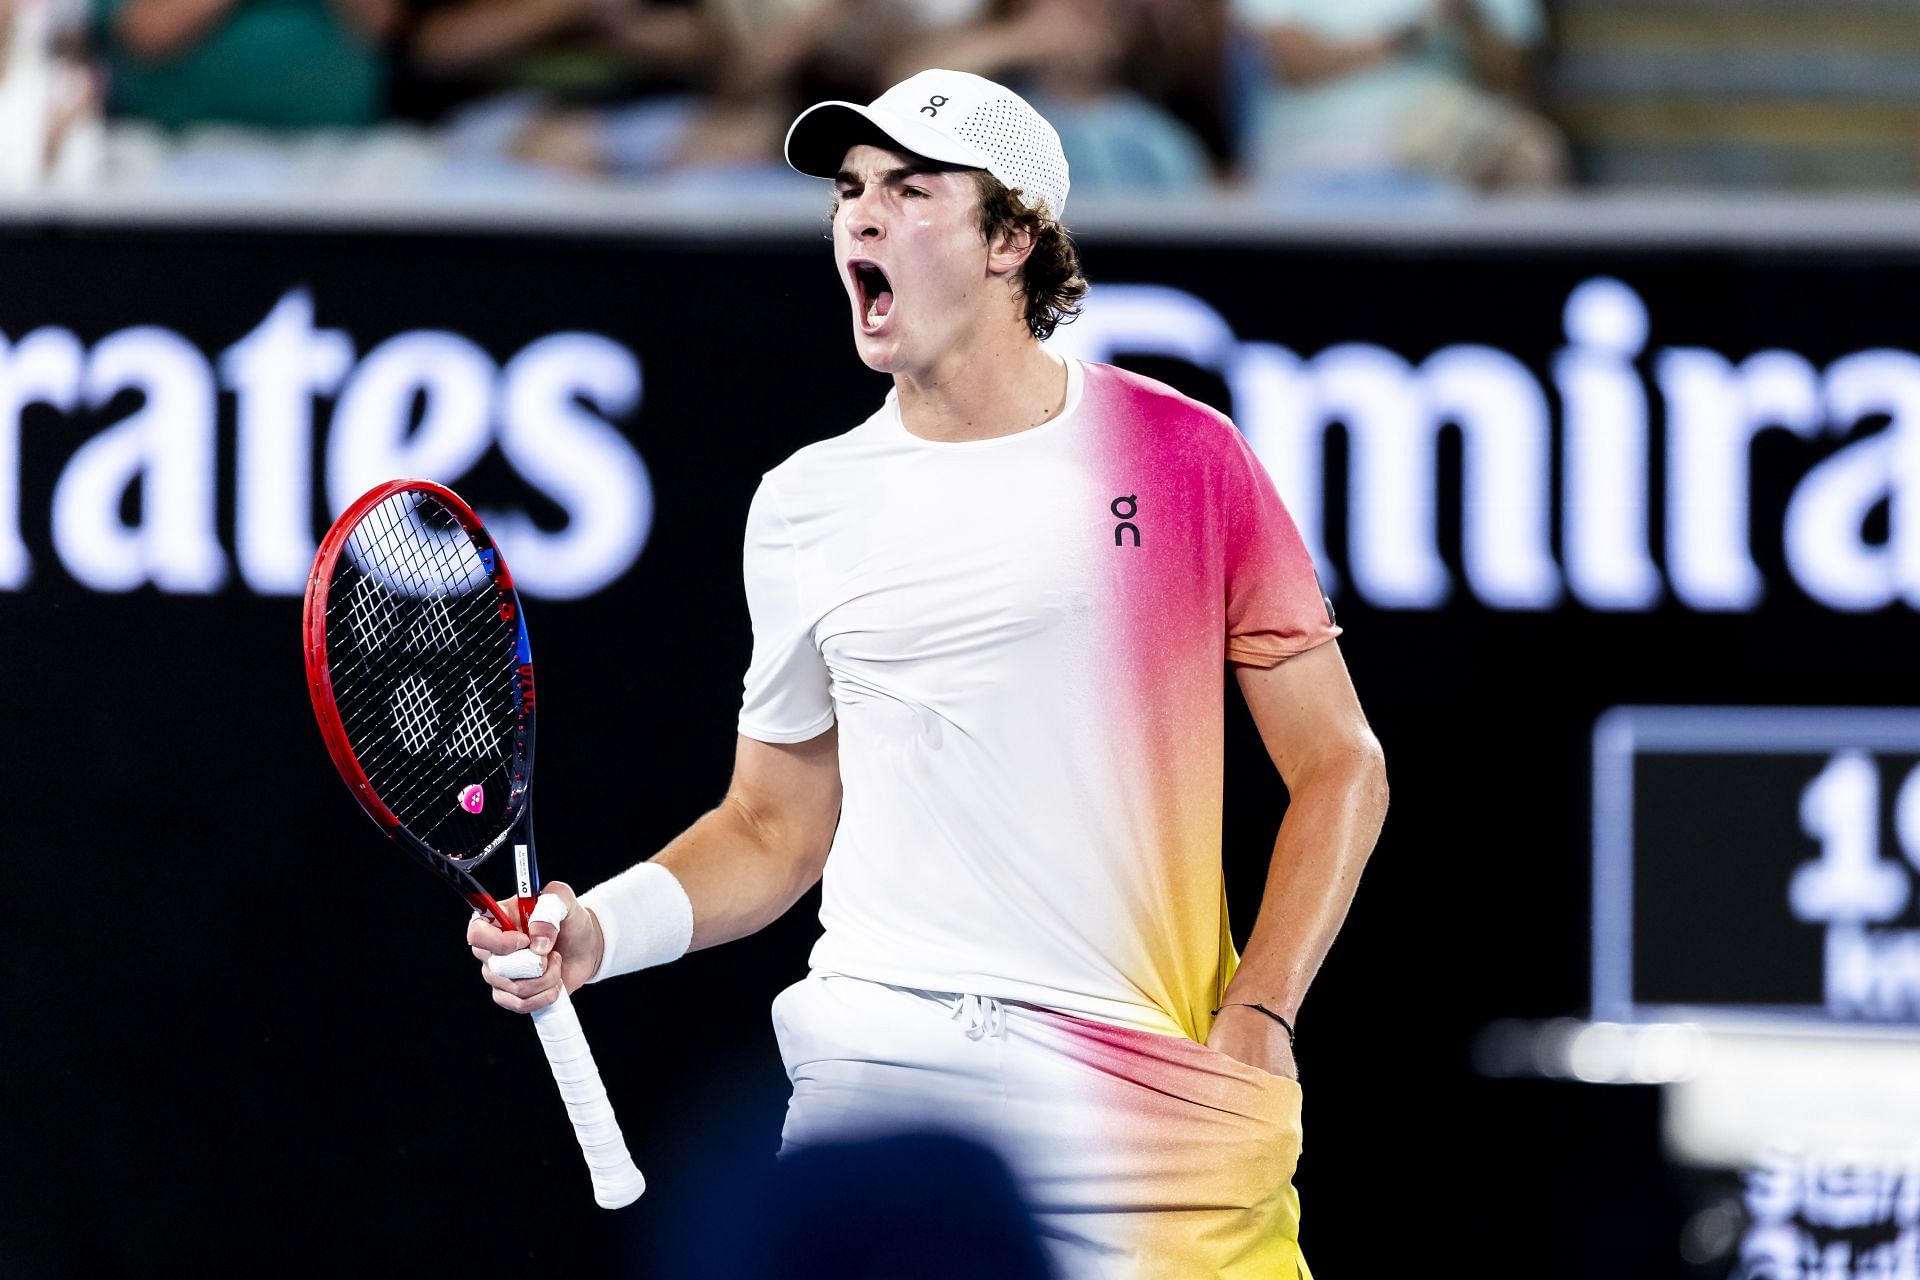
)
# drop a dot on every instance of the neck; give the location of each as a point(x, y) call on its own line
point(1004, 384)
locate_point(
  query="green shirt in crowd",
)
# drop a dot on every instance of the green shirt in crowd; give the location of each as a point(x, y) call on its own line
point(275, 64)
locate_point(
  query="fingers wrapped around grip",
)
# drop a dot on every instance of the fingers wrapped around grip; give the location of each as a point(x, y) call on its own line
point(523, 981)
point(519, 966)
point(515, 963)
point(549, 913)
point(488, 939)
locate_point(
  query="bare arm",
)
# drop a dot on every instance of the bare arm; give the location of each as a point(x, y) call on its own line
point(470, 36)
point(685, 41)
point(1037, 34)
point(751, 858)
point(154, 30)
point(372, 19)
point(1498, 63)
point(1313, 727)
point(1304, 59)
point(761, 60)
point(742, 865)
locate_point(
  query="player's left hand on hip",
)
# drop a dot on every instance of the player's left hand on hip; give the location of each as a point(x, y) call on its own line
point(1255, 1039)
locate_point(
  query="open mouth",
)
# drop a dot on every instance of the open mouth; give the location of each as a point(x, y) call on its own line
point(875, 293)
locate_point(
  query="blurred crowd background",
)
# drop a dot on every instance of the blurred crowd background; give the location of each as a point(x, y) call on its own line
point(1282, 99)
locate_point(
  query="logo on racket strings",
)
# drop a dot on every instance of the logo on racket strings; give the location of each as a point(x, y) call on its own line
point(473, 799)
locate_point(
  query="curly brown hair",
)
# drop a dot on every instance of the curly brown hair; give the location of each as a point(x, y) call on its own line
point(1051, 282)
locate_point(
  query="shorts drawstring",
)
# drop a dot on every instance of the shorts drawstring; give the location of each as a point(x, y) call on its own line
point(985, 1016)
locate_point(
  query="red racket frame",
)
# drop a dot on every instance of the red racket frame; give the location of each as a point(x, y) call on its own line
point(320, 689)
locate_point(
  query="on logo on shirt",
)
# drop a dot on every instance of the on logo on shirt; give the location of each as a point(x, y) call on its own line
point(1126, 518)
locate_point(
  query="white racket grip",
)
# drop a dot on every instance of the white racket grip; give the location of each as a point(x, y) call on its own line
point(616, 1180)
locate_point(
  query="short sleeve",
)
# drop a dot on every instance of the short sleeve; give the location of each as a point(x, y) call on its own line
point(1275, 608)
point(787, 696)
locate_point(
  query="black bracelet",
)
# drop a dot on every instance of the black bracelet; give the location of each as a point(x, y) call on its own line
point(1240, 1004)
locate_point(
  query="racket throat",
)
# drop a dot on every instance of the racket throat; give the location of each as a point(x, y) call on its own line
point(526, 878)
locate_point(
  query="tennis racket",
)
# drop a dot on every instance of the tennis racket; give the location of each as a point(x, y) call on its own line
point(422, 680)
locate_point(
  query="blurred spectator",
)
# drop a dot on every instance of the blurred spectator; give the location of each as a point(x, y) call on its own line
point(455, 52)
point(925, 1206)
point(1399, 94)
point(50, 132)
point(274, 64)
point(1068, 57)
point(701, 91)
point(589, 88)
point(1181, 58)
point(846, 49)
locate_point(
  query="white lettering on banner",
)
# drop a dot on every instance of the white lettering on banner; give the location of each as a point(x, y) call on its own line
point(1608, 548)
point(1714, 410)
point(136, 503)
point(422, 403)
point(167, 445)
point(276, 372)
point(1711, 410)
point(373, 437)
point(42, 368)
point(1503, 414)
point(576, 459)
point(1827, 512)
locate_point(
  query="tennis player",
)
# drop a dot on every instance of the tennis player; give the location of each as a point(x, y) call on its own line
point(991, 630)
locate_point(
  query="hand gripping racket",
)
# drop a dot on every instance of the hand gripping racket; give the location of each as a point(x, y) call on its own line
point(422, 679)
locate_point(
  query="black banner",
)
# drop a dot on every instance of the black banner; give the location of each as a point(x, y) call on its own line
point(1542, 483)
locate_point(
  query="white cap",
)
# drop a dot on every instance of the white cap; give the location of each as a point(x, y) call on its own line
point(950, 116)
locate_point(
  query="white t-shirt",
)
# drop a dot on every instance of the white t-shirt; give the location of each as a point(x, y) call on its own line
point(1023, 641)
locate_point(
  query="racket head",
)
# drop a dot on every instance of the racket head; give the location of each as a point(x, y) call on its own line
point(421, 676)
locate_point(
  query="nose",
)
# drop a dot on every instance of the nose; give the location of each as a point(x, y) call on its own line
point(863, 218)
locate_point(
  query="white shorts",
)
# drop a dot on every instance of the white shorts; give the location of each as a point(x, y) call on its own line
point(1140, 1155)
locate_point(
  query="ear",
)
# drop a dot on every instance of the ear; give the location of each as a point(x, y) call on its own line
point(1010, 249)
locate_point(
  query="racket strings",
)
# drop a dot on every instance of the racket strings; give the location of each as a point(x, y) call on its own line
point(422, 653)
point(374, 679)
point(428, 565)
point(432, 666)
point(477, 615)
point(413, 784)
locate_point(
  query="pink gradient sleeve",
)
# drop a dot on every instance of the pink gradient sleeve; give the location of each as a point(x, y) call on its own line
point(1275, 608)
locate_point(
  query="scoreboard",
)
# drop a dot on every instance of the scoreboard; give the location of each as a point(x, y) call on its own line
point(1757, 861)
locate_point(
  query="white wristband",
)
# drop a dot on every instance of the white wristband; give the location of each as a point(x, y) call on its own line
point(645, 919)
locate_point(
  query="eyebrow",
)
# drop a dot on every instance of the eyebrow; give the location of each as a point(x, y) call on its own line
point(848, 178)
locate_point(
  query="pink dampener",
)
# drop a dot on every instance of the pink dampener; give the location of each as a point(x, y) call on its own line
point(473, 799)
